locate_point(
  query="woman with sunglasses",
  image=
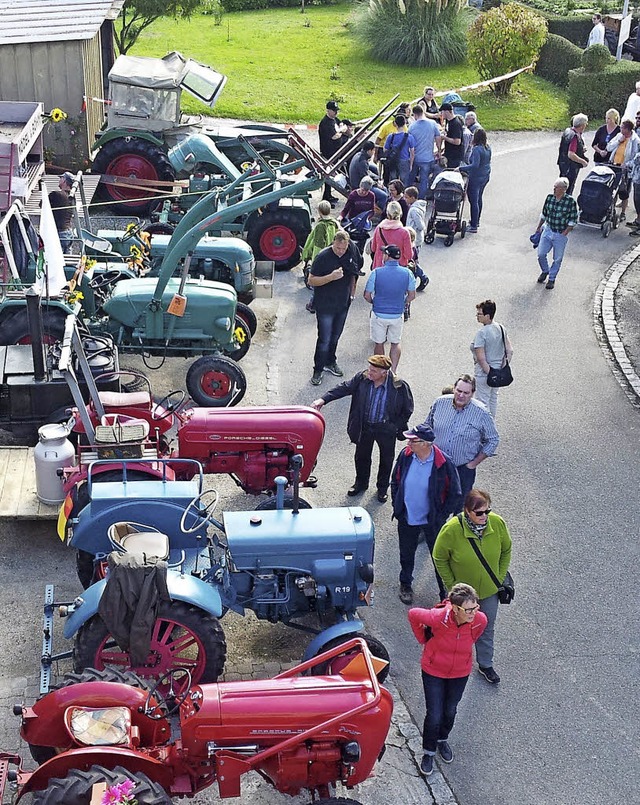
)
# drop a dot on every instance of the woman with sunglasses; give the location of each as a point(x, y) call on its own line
point(447, 633)
point(456, 561)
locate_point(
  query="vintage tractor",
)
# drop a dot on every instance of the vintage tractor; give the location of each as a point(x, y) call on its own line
point(320, 724)
point(284, 565)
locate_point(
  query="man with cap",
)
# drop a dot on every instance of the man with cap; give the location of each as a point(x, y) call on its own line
point(425, 490)
point(62, 210)
point(381, 405)
point(388, 289)
point(330, 132)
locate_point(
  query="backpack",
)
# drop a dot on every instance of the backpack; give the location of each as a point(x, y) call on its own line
point(392, 156)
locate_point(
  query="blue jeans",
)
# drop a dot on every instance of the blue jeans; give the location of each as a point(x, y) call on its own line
point(475, 189)
point(484, 644)
point(330, 327)
point(551, 240)
point(425, 169)
point(408, 538)
point(467, 478)
point(441, 698)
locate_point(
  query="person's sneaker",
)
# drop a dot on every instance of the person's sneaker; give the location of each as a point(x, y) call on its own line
point(489, 674)
point(543, 277)
point(316, 379)
point(550, 285)
point(622, 217)
point(446, 752)
point(633, 224)
point(422, 284)
point(472, 229)
point(356, 489)
point(406, 594)
point(334, 369)
point(426, 764)
point(382, 496)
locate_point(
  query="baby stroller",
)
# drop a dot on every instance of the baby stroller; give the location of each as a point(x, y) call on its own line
point(597, 199)
point(448, 205)
point(359, 228)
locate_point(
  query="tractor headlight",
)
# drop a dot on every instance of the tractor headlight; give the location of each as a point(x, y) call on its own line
point(350, 752)
point(366, 573)
point(224, 323)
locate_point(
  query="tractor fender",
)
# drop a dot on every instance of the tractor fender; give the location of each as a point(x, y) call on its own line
point(189, 589)
point(10, 306)
point(106, 756)
point(122, 134)
point(343, 629)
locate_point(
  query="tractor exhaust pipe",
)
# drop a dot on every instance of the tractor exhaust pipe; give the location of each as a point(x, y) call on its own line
point(35, 330)
point(296, 463)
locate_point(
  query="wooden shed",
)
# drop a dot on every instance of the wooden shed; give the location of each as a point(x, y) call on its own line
point(58, 52)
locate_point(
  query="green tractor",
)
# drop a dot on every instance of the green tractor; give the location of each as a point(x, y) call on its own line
point(147, 144)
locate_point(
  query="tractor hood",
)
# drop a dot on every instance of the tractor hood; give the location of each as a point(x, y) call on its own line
point(230, 251)
point(207, 301)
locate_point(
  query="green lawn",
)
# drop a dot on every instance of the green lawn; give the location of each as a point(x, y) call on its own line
point(280, 70)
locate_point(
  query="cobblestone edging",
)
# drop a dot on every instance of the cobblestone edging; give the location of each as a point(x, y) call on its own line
point(606, 326)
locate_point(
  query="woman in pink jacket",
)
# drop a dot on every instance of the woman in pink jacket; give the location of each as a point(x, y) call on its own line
point(448, 633)
point(388, 231)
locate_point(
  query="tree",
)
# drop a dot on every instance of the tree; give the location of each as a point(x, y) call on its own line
point(136, 15)
point(504, 39)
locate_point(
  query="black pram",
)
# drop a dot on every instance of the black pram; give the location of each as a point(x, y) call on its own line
point(597, 199)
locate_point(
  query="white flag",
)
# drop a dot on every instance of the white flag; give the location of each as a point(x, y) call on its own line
point(53, 255)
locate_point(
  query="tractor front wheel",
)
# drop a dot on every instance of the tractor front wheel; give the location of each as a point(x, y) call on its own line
point(248, 316)
point(77, 788)
point(242, 340)
point(135, 159)
point(183, 636)
point(216, 382)
point(270, 504)
point(333, 666)
point(277, 235)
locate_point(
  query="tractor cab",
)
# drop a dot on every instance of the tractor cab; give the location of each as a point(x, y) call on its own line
point(144, 93)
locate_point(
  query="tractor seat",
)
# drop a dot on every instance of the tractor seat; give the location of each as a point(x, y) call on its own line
point(137, 538)
point(99, 726)
point(120, 429)
point(125, 399)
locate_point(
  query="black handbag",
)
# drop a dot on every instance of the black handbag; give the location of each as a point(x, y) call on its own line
point(497, 378)
point(506, 589)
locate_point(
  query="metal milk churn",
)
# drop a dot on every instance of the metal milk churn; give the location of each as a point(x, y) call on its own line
point(53, 451)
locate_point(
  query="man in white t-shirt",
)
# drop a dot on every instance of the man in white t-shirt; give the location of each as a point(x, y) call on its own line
point(633, 104)
point(596, 37)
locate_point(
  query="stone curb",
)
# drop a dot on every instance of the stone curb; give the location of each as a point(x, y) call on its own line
point(606, 326)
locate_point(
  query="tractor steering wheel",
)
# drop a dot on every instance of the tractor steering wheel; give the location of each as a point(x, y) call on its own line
point(167, 703)
point(106, 278)
point(167, 403)
point(132, 231)
point(194, 509)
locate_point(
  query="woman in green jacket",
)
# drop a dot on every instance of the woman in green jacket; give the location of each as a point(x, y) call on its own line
point(457, 562)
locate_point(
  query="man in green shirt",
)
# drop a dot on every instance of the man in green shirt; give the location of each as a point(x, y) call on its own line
point(559, 216)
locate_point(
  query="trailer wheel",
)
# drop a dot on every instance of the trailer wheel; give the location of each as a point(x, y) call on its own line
point(270, 504)
point(77, 787)
point(277, 235)
point(43, 753)
point(136, 159)
point(183, 636)
point(377, 648)
point(15, 329)
point(216, 381)
point(248, 316)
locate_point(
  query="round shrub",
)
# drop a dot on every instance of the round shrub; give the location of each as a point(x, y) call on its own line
point(557, 57)
point(505, 39)
point(596, 58)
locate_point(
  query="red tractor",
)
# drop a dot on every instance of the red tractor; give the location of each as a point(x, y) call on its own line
point(299, 731)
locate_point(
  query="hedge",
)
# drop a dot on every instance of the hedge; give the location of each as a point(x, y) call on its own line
point(251, 5)
point(575, 28)
point(594, 93)
point(557, 57)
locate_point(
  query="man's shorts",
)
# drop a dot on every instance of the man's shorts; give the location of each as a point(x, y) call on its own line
point(386, 329)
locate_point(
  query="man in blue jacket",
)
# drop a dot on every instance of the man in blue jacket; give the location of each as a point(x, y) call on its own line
point(425, 490)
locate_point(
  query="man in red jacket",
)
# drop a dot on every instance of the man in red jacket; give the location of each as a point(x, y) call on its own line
point(425, 490)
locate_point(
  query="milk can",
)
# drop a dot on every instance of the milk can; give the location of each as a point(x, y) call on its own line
point(53, 451)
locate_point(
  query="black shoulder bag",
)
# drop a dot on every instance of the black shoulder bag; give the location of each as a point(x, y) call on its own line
point(502, 376)
point(507, 588)
point(392, 157)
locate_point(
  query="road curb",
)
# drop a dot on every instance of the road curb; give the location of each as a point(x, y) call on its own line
point(606, 326)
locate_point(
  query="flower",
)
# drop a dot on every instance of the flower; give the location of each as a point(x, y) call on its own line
point(120, 794)
point(57, 115)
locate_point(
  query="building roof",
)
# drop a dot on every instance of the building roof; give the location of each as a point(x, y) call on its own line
point(25, 21)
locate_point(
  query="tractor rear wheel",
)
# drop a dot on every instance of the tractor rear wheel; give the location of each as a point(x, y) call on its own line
point(376, 648)
point(277, 235)
point(216, 382)
point(183, 636)
point(135, 159)
point(15, 329)
point(43, 753)
point(248, 316)
point(77, 787)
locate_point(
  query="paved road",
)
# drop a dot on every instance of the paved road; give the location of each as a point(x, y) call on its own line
point(563, 725)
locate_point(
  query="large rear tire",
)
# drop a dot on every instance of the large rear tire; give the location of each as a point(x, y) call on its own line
point(77, 787)
point(14, 329)
point(135, 159)
point(216, 382)
point(183, 637)
point(277, 235)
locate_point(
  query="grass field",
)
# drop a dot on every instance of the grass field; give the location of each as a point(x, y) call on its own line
point(280, 65)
